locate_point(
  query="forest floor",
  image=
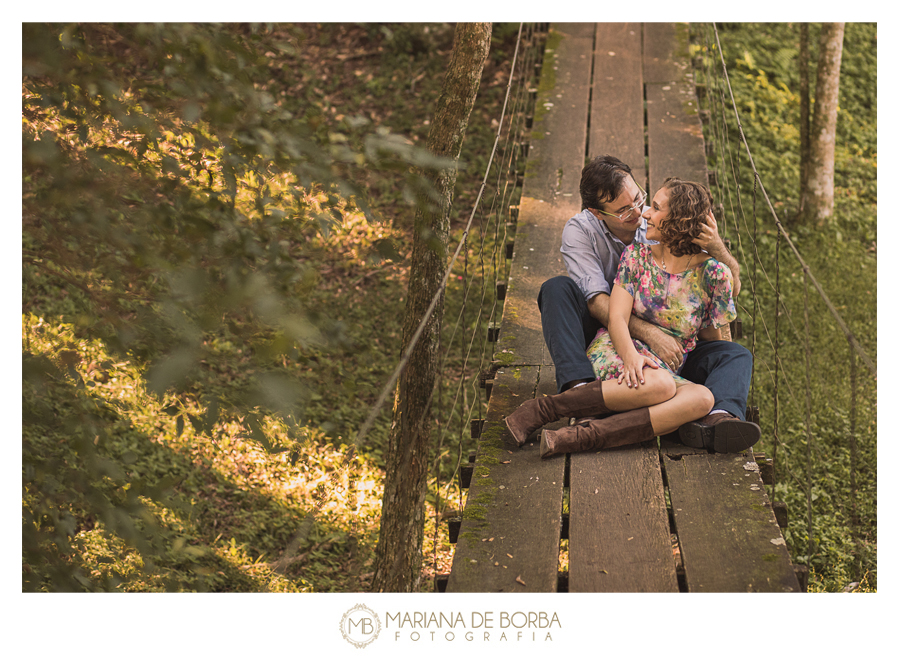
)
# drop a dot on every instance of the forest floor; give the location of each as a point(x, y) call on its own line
point(236, 505)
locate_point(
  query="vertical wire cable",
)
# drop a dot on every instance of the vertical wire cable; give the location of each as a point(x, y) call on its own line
point(809, 514)
point(854, 456)
point(755, 291)
point(775, 409)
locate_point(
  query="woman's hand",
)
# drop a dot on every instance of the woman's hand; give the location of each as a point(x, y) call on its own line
point(633, 371)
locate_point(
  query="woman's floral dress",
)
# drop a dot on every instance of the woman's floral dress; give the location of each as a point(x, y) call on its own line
point(680, 304)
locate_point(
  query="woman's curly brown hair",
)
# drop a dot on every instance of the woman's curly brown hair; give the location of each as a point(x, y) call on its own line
point(689, 203)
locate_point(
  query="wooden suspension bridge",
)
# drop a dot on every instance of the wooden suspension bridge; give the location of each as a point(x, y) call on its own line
point(657, 517)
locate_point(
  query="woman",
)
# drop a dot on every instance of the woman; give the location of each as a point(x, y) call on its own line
point(672, 284)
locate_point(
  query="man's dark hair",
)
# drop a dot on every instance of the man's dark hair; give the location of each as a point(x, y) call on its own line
point(602, 180)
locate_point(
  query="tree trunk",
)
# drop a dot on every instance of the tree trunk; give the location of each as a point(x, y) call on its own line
point(820, 178)
point(399, 553)
point(804, 116)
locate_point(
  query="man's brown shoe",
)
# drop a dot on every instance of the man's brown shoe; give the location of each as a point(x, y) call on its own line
point(720, 432)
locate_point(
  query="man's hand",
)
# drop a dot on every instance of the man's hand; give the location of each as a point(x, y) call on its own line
point(666, 347)
point(711, 243)
point(709, 240)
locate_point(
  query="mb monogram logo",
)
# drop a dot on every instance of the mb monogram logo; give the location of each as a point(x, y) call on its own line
point(360, 626)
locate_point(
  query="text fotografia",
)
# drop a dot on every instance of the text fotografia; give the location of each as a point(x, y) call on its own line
point(479, 626)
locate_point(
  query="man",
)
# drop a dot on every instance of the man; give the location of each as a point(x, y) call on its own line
point(574, 307)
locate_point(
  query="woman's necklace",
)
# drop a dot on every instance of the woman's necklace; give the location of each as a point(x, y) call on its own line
point(663, 259)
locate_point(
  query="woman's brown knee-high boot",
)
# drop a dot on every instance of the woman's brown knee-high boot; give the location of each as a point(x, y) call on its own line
point(577, 402)
point(617, 430)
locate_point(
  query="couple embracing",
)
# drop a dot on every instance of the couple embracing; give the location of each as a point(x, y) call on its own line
point(638, 329)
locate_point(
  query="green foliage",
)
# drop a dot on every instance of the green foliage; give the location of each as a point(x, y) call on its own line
point(762, 60)
point(211, 302)
point(159, 166)
point(833, 524)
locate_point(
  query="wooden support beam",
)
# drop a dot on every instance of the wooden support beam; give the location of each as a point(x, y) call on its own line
point(780, 509)
point(802, 573)
point(766, 469)
point(752, 414)
point(465, 475)
point(453, 526)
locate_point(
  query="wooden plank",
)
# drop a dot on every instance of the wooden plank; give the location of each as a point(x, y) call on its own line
point(510, 533)
point(674, 135)
point(619, 538)
point(728, 535)
point(559, 131)
point(675, 144)
point(550, 189)
point(536, 259)
point(666, 52)
point(617, 110)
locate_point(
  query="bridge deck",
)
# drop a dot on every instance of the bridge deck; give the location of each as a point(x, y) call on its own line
point(624, 89)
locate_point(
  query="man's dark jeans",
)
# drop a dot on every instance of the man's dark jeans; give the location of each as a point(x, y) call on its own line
point(720, 365)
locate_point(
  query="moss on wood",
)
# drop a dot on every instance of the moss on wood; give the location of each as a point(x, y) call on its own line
point(547, 83)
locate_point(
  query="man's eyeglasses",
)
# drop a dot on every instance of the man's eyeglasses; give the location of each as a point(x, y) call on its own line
point(627, 213)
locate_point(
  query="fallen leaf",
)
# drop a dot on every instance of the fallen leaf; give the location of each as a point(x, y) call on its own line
point(519, 580)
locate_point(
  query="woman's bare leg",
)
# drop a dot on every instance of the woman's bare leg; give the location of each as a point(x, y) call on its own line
point(658, 387)
point(690, 402)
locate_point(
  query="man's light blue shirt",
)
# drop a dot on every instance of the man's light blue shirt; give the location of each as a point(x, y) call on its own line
point(591, 252)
